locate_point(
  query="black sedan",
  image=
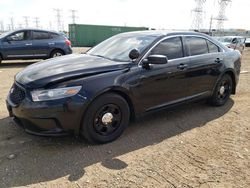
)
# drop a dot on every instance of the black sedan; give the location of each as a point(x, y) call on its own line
point(97, 93)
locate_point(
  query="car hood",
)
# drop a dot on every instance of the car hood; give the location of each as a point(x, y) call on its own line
point(66, 67)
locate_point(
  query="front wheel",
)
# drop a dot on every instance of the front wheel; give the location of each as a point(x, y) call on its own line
point(222, 91)
point(105, 119)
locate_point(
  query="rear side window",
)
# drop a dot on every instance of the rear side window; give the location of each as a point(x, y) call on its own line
point(40, 35)
point(212, 47)
point(172, 48)
point(54, 35)
point(196, 45)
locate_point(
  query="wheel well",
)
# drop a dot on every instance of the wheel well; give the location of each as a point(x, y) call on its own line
point(231, 74)
point(57, 49)
point(129, 101)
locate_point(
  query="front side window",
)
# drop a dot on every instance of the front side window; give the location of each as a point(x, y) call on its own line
point(196, 46)
point(17, 36)
point(172, 48)
point(39, 35)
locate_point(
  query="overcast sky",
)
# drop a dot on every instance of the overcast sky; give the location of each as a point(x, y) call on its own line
point(167, 14)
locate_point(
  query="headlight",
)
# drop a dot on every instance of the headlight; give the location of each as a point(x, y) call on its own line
point(52, 94)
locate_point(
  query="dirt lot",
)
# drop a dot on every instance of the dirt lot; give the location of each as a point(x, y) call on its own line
point(191, 146)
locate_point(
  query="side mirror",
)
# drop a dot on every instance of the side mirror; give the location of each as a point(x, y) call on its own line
point(157, 59)
point(134, 54)
point(154, 59)
point(234, 41)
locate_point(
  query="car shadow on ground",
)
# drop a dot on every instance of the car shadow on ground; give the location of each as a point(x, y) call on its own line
point(41, 159)
point(17, 64)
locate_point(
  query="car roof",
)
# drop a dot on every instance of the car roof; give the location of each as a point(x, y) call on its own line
point(35, 29)
point(166, 33)
point(231, 37)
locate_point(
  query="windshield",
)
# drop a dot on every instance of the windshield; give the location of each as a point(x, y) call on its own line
point(117, 48)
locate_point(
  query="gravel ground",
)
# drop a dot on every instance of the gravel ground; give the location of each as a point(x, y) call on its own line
point(190, 146)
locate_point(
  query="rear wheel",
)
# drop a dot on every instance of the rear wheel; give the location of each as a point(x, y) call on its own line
point(56, 53)
point(222, 91)
point(105, 119)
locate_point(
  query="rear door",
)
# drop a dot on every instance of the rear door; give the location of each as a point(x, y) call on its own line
point(205, 62)
point(42, 43)
point(18, 45)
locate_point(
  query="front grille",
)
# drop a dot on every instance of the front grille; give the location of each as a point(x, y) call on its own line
point(17, 94)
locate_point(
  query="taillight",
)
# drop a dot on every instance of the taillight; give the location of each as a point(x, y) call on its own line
point(67, 41)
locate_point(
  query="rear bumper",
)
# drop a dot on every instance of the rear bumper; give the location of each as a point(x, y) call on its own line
point(68, 50)
point(50, 118)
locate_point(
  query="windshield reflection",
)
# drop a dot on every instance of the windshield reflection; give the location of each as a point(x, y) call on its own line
point(117, 48)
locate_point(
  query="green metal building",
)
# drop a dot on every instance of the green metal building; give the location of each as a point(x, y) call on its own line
point(89, 35)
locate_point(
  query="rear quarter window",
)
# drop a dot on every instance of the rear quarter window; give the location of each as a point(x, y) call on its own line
point(54, 35)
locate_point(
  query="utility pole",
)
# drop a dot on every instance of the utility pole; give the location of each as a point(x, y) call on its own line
point(58, 17)
point(73, 16)
point(222, 14)
point(198, 15)
point(26, 21)
point(37, 21)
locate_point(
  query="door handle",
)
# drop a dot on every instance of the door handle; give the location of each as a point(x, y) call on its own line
point(28, 44)
point(182, 66)
point(51, 43)
point(218, 60)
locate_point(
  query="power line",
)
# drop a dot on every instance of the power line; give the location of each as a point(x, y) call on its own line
point(197, 23)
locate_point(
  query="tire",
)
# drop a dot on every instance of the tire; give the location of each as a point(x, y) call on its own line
point(0, 59)
point(105, 119)
point(222, 91)
point(56, 53)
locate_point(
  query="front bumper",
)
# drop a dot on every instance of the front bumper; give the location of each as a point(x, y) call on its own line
point(50, 118)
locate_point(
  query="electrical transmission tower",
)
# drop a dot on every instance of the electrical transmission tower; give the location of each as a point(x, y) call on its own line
point(59, 19)
point(73, 16)
point(1, 26)
point(198, 15)
point(12, 23)
point(221, 16)
point(26, 21)
point(37, 21)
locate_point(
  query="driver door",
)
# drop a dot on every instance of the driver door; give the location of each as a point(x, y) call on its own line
point(164, 84)
point(18, 45)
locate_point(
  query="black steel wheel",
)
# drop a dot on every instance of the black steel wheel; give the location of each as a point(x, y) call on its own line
point(222, 91)
point(105, 119)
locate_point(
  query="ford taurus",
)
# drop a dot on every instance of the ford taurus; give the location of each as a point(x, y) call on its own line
point(97, 93)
